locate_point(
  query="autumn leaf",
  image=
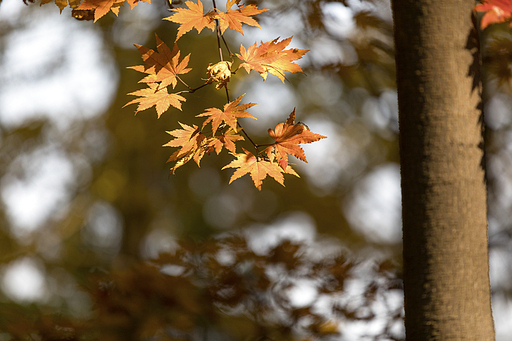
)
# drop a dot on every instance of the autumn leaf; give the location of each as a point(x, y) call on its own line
point(226, 140)
point(98, 8)
point(497, 11)
point(101, 7)
point(133, 3)
point(231, 112)
point(271, 57)
point(187, 138)
point(235, 18)
point(61, 4)
point(247, 163)
point(288, 137)
point(192, 17)
point(153, 96)
point(162, 65)
point(192, 142)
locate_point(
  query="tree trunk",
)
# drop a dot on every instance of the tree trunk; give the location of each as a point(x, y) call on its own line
point(446, 268)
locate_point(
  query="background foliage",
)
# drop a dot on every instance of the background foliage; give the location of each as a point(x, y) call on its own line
point(109, 247)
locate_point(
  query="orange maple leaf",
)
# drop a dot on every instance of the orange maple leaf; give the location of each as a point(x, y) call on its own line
point(271, 57)
point(162, 65)
point(288, 137)
point(97, 8)
point(133, 3)
point(226, 140)
point(61, 4)
point(153, 96)
point(497, 11)
point(235, 18)
point(101, 7)
point(258, 168)
point(229, 115)
point(192, 142)
point(192, 18)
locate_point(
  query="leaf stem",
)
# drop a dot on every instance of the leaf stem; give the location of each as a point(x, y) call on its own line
point(183, 82)
point(219, 35)
point(266, 144)
point(217, 26)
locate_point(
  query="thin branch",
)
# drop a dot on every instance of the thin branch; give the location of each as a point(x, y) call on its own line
point(227, 46)
point(217, 29)
point(248, 137)
point(227, 93)
point(191, 91)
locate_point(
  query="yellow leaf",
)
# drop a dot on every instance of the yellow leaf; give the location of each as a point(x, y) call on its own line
point(247, 163)
point(153, 96)
point(231, 112)
point(192, 17)
point(235, 18)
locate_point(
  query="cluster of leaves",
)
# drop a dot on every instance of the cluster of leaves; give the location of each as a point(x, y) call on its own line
point(91, 9)
point(164, 67)
point(220, 287)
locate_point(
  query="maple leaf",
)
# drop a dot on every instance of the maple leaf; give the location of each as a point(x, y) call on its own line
point(192, 142)
point(153, 96)
point(497, 11)
point(235, 18)
point(247, 163)
point(196, 155)
point(161, 65)
point(93, 9)
point(271, 57)
point(101, 7)
point(61, 4)
point(226, 140)
point(288, 137)
point(187, 138)
point(229, 115)
point(133, 3)
point(192, 17)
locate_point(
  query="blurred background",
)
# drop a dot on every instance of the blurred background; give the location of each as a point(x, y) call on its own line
point(98, 242)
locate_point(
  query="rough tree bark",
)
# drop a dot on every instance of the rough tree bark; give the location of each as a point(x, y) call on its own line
point(446, 271)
